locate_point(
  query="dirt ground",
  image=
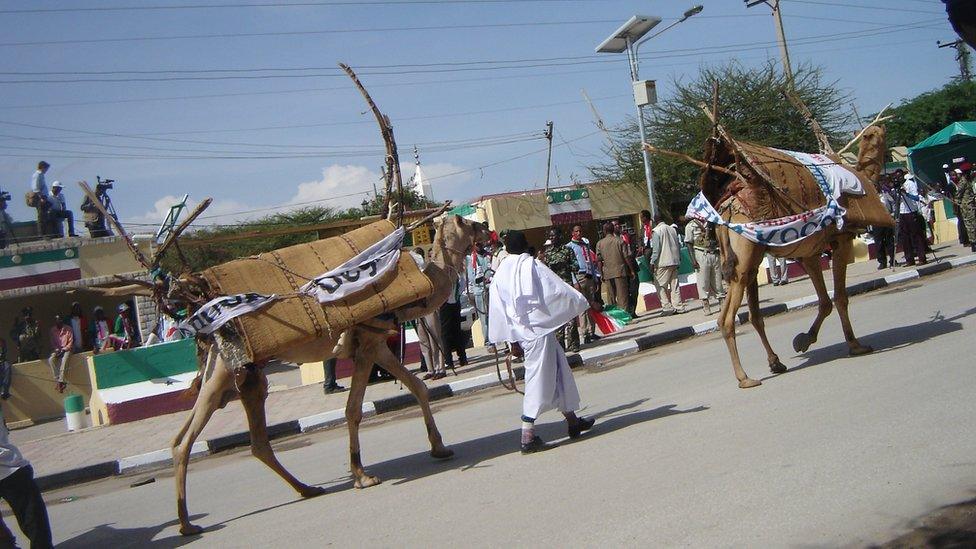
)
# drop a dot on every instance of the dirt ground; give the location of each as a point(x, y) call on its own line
point(950, 527)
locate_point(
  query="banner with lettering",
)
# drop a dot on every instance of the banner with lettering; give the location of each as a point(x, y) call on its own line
point(358, 272)
point(219, 311)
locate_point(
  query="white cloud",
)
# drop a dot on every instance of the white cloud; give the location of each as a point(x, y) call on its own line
point(340, 187)
point(150, 221)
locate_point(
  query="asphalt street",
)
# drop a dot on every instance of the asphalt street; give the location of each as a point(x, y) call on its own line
point(836, 452)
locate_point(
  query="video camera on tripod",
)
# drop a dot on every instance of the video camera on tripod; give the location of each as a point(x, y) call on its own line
point(103, 184)
point(4, 196)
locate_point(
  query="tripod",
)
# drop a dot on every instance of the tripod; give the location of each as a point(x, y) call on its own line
point(899, 194)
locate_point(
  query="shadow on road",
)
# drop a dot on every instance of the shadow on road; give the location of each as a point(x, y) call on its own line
point(472, 454)
point(889, 340)
point(949, 526)
point(107, 536)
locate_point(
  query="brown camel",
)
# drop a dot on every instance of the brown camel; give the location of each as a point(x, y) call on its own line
point(366, 342)
point(747, 192)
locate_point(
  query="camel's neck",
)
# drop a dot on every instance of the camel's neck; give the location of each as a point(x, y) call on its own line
point(447, 257)
point(870, 160)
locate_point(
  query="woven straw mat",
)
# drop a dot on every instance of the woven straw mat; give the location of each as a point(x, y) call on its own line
point(298, 320)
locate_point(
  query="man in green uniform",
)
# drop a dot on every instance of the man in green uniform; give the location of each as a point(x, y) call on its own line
point(966, 198)
point(561, 261)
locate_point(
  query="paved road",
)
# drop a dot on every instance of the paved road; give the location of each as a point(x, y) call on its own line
point(837, 452)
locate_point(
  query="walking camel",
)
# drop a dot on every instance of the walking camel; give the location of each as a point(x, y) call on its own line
point(747, 183)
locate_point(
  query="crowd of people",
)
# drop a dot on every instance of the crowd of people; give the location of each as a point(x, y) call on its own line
point(52, 209)
point(69, 333)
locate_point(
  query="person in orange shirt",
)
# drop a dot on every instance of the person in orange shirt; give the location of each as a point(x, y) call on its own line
point(62, 340)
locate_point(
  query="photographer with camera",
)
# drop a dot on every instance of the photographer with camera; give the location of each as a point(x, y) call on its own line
point(94, 218)
point(38, 199)
point(6, 222)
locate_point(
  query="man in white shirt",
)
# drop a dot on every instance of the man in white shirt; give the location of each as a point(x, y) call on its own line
point(18, 489)
point(665, 259)
point(528, 303)
point(59, 211)
point(39, 198)
point(911, 226)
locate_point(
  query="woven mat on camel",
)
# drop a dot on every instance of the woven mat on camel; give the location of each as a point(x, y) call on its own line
point(796, 180)
point(297, 320)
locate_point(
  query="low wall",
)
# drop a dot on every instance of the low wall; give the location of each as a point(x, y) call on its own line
point(33, 395)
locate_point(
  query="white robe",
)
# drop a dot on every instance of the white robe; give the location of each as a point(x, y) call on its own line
point(528, 303)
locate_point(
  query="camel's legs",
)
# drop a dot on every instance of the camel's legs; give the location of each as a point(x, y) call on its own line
point(210, 398)
point(803, 340)
point(843, 252)
point(755, 316)
point(749, 256)
point(354, 415)
point(389, 362)
point(254, 393)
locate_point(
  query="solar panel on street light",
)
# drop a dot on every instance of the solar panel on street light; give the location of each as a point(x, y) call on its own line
point(635, 27)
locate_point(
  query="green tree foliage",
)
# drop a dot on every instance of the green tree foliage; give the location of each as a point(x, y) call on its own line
point(925, 114)
point(200, 257)
point(751, 108)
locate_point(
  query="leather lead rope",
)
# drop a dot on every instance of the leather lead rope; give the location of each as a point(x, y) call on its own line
point(510, 384)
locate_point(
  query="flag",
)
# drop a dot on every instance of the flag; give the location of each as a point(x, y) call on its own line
point(569, 206)
point(610, 320)
point(30, 269)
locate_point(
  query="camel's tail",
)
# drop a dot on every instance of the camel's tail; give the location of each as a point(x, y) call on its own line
point(730, 261)
point(193, 390)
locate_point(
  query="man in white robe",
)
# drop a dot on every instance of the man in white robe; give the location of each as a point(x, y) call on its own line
point(528, 303)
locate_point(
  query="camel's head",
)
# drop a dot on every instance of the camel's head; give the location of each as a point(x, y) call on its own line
point(871, 152)
point(459, 234)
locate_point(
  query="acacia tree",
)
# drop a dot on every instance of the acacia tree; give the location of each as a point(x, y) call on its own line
point(919, 117)
point(751, 107)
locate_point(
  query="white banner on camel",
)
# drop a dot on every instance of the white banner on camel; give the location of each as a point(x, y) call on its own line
point(354, 275)
point(783, 231)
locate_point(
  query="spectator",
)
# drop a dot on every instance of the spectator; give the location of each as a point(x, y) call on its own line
point(94, 218)
point(330, 386)
point(584, 279)
point(884, 237)
point(38, 199)
point(5, 371)
point(703, 245)
point(78, 323)
point(646, 234)
point(479, 276)
point(25, 334)
point(500, 253)
point(18, 488)
point(911, 234)
point(665, 258)
point(966, 198)
point(62, 341)
point(778, 273)
point(429, 334)
point(561, 261)
point(615, 266)
point(123, 327)
point(6, 222)
point(60, 212)
point(452, 338)
point(101, 335)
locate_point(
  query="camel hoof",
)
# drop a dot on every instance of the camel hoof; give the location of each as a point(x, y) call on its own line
point(311, 491)
point(748, 383)
point(861, 350)
point(442, 453)
point(366, 481)
point(190, 530)
point(802, 342)
point(777, 367)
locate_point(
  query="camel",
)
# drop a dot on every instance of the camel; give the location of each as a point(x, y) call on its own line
point(741, 257)
point(221, 377)
point(736, 179)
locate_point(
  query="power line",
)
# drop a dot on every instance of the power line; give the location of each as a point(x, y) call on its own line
point(858, 6)
point(161, 7)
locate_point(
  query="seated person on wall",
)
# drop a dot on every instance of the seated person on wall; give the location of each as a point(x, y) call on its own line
point(59, 211)
point(101, 334)
point(62, 340)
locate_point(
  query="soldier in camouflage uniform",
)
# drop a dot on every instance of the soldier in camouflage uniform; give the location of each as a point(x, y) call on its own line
point(561, 261)
point(966, 198)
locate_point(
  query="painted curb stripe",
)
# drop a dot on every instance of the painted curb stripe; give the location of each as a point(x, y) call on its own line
point(898, 277)
point(159, 458)
point(612, 350)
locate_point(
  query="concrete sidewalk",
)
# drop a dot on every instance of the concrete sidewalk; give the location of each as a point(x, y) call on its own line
point(61, 459)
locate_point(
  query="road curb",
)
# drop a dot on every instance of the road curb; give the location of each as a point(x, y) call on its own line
point(588, 357)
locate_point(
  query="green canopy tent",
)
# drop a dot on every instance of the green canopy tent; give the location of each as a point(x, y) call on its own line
point(956, 140)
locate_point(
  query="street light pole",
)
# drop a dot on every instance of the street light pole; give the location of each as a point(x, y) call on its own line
point(628, 38)
point(648, 172)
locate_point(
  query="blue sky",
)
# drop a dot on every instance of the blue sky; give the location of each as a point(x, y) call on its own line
point(472, 83)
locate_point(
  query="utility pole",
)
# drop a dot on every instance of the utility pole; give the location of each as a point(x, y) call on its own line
point(548, 135)
point(783, 50)
point(962, 55)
